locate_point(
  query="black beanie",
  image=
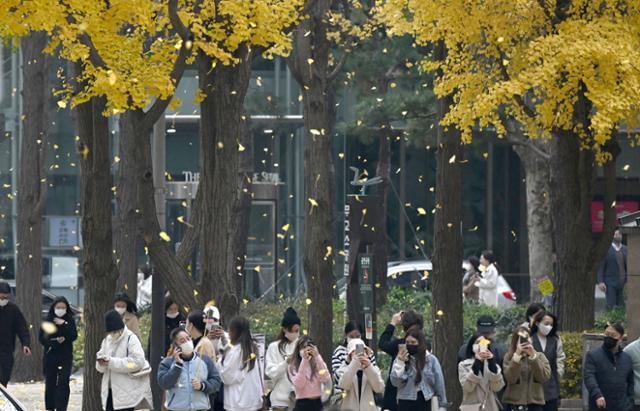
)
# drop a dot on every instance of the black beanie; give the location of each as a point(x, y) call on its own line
point(5, 288)
point(113, 321)
point(290, 318)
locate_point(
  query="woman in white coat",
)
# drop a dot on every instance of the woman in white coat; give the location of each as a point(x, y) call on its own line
point(488, 283)
point(360, 378)
point(125, 380)
point(278, 353)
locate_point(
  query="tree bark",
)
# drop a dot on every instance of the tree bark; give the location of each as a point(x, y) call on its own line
point(539, 228)
point(32, 197)
point(226, 188)
point(312, 71)
point(381, 246)
point(578, 253)
point(448, 250)
point(126, 233)
point(98, 265)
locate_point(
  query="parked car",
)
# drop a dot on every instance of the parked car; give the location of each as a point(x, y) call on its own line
point(47, 300)
point(414, 273)
point(8, 402)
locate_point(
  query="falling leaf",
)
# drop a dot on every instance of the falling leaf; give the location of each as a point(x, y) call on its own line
point(449, 225)
point(111, 77)
point(452, 159)
point(164, 236)
point(500, 39)
point(310, 61)
point(62, 104)
point(422, 211)
point(49, 327)
point(505, 62)
point(440, 313)
point(308, 301)
point(329, 251)
point(626, 167)
point(475, 228)
point(241, 147)
point(341, 156)
point(485, 155)
point(314, 132)
point(285, 228)
point(257, 269)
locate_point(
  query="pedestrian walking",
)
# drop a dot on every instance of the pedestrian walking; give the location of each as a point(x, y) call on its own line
point(172, 320)
point(409, 319)
point(13, 325)
point(485, 327)
point(57, 338)
point(473, 275)
point(544, 332)
point(188, 377)
point(488, 281)
point(612, 273)
point(608, 373)
point(360, 378)
point(480, 376)
point(240, 369)
point(526, 371)
point(307, 372)
point(418, 375)
point(128, 310)
point(125, 372)
point(633, 350)
point(278, 354)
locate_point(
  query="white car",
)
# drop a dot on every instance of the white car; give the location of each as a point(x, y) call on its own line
point(414, 273)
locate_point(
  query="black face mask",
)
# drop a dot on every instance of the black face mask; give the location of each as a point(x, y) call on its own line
point(609, 342)
point(412, 349)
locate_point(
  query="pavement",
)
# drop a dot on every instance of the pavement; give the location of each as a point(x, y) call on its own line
point(31, 395)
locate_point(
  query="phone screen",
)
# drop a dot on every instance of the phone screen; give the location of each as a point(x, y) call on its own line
point(359, 349)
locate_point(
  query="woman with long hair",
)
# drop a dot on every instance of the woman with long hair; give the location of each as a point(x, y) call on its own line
point(307, 372)
point(480, 375)
point(417, 375)
point(278, 354)
point(544, 332)
point(526, 371)
point(240, 371)
point(360, 378)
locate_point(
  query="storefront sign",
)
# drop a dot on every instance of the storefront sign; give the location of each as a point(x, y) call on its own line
point(365, 263)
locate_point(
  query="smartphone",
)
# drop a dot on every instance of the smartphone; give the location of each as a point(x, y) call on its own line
point(209, 321)
point(524, 340)
point(402, 348)
point(359, 349)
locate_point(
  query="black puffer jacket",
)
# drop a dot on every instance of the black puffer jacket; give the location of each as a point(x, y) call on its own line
point(610, 376)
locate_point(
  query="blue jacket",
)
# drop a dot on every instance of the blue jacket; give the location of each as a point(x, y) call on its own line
point(610, 376)
point(609, 272)
point(431, 383)
point(176, 379)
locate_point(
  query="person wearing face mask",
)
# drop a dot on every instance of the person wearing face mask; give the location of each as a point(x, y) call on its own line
point(608, 373)
point(13, 325)
point(127, 309)
point(125, 384)
point(418, 375)
point(189, 378)
point(352, 331)
point(547, 341)
point(278, 353)
point(486, 327)
point(172, 320)
point(532, 311)
point(58, 354)
point(359, 378)
point(525, 371)
point(480, 375)
point(307, 372)
point(216, 333)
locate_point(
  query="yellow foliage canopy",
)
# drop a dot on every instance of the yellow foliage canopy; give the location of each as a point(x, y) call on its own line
point(529, 60)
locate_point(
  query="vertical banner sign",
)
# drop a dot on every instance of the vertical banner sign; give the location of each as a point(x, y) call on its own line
point(366, 281)
point(347, 239)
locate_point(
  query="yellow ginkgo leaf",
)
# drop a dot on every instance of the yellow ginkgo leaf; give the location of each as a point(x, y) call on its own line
point(285, 228)
point(308, 301)
point(164, 236)
point(422, 211)
point(62, 104)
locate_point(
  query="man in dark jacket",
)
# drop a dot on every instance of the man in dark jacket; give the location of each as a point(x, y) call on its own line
point(13, 324)
point(612, 273)
point(388, 344)
point(608, 374)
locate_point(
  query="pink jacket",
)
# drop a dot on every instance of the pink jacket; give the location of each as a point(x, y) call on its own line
point(303, 385)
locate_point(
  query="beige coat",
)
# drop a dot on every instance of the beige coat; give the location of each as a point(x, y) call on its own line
point(525, 378)
point(475, 388)
point(371, 382)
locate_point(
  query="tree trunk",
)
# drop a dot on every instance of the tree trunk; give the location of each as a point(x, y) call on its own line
point(98, 265)
point(578, 253)
point(226, 188)
point(32, 198)
point(311, 70)
point(381, 247)
point(448, 250)
point(539, 230)
point(126, 243)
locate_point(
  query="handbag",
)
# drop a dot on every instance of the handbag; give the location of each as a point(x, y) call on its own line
point(144, 371)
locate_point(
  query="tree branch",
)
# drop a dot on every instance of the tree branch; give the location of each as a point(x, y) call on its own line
point(337, 69)
point(191, 235)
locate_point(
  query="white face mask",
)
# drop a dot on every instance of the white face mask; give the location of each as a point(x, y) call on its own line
point(476, 348)
point(60, 312)
point(302, 353)
point(187, 347)
point(545, 329)
point(172, 315)
point(120, 310)
point(291, 336)
point(4, 302)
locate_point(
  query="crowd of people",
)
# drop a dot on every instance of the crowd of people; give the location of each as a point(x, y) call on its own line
point(209, 368)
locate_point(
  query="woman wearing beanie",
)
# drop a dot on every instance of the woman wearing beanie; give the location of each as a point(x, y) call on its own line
point(125, 372)
point(278, 354)
point(360, 378)
point(127, 309)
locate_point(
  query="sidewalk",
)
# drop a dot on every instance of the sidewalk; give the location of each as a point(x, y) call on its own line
point(31, 395)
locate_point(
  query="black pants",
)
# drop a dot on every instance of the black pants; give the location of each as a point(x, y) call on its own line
point(419, 404)
point(389, 402)
point(57, 371)
point(110, 405)
point(308, 404)
point(530, 407)
point(552, 405)
point(6, 366)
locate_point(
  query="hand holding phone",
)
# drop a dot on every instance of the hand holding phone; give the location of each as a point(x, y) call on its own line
point(403, 354)
point(360, 350)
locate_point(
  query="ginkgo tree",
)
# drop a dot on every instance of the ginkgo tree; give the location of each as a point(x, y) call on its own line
point(564, 71)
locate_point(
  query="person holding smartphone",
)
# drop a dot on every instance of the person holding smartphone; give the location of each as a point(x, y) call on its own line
point(307, 372)
point(525, 371)
point(418, 375)
point(360, 378)
point(188, 377)
point(278, 353)
point(480, 375)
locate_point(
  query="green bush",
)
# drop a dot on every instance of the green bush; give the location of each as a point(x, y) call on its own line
point(571, 383)
point(618, 314)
